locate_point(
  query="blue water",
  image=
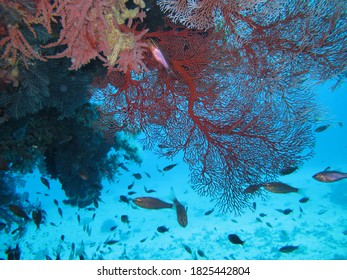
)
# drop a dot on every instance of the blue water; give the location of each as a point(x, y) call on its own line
point(318, 227)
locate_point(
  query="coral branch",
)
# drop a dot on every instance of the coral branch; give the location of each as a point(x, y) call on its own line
point(16, 45)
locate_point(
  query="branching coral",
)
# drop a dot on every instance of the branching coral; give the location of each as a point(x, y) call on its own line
point(88, 30)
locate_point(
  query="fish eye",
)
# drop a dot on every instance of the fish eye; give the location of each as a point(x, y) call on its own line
point(138, 200)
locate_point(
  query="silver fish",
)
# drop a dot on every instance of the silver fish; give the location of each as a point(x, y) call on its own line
point(329, 176)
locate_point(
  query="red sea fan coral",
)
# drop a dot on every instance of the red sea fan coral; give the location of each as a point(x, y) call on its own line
point(229, 134)
point(192, 13)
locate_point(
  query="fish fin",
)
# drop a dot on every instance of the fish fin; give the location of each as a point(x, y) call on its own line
point(173, 195)
point(327, 168)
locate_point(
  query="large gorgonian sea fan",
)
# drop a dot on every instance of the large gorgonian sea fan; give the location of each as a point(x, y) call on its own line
point(230, 132)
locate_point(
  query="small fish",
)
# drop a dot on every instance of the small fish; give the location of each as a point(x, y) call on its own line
point(124, 219)
point(90, 209)
point(187, 248)
point(137, 176)
point(262, 215)
point(123, 198)
point(181, 212)
point(254, 205)
point(73, 247)
point(60, 212)
point(209, 212)
point(79, 219)
point(143, 240)
point(111, 242)
point(160, 56)
point(285, 211)
point(151, 203)
point(288, 249)
point(148, 175)
point(288, 170)
point(252, 188)
point(301, 211)
point(52, 224)
point(18, 211)
point(201, 254)
point(113, 228)
point(124, 167)
point(304, 199)
point(149, 191)
point(45, 182)
point(321, 128)
point(340, 124)
point(169, 167)
point(131, 193)
point(258, 219)
point(37, 217)
point(233, 238)
point(3, 165)
point(329, 176)
point(279, 187)
point(131, 185)
point(93, 217)
point(56, 202)
point(62, 237)
point(268, 224)
point(162, 229)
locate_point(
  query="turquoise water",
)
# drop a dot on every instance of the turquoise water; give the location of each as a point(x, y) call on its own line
point(318, 227)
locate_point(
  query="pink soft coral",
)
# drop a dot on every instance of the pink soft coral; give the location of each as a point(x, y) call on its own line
point(83, 25)
point(132, 58)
